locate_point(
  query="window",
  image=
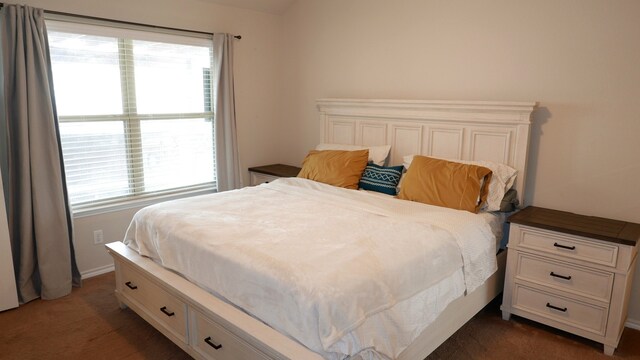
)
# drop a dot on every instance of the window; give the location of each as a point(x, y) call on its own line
point(135, 112)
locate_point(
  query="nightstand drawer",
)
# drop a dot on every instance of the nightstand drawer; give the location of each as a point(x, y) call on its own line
point(567, 246)
point(582, 281)
point(561, 309)
point(257, 179)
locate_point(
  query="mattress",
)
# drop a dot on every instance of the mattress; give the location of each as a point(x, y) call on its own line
point(335, 269)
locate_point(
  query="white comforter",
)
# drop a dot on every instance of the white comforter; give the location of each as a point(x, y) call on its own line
point(315, 261)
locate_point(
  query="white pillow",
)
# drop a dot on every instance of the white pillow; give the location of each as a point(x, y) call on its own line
point(501, 181)
point(377, 154)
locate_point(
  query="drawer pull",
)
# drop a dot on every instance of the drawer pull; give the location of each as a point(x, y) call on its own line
point(130, 285)
point(166, 312)
point(560, 276)
point(564, 246)
point(211, 343)
point(556, 308)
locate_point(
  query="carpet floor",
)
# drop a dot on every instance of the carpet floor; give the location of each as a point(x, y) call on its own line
point(88, 324)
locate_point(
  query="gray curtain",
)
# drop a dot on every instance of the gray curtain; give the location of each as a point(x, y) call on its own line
point(227, 161)
point(40, 222)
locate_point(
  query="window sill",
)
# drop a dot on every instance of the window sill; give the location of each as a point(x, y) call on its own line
point(138, 202)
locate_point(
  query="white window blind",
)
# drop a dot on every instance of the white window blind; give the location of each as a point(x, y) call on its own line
point(135, 112)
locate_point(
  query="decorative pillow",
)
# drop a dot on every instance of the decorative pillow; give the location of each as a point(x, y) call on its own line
point(501, 181)
point(377, 154)
point(381, 179)
point(446, 183)
point(335, 167)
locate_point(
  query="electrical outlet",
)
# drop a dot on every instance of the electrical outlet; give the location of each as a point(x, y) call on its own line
point(98, 237)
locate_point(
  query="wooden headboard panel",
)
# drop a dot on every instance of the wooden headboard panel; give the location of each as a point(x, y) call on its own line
point(467, 130)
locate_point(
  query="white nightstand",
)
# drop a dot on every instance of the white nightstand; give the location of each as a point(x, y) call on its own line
point(572, 272)
point(266, 173)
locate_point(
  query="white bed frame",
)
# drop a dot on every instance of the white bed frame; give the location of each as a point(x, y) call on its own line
point(496, 131)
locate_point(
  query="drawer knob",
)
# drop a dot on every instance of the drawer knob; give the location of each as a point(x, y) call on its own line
point(211, 343)
point(130, 285)
point(557, 308)
point(167, 312)
point(560, 276)
point(564, 246)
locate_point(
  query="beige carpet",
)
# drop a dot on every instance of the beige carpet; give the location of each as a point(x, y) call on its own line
point(88, 324)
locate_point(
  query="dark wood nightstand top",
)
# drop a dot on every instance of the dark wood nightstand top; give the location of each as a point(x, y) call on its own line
point(279, 170)
point(616, 231)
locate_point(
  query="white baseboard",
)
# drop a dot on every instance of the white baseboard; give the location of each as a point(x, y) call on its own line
point(633, 324)
point(97, 271)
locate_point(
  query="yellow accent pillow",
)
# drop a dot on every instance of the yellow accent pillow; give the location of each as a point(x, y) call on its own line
point(335, 167)
point(446, 183)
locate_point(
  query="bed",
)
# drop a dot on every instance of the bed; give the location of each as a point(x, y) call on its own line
point(215, 312)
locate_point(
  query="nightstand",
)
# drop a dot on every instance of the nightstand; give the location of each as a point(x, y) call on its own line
point(571, 272)
point(266, 173)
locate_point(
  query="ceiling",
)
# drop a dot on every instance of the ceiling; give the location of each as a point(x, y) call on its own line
point(269, 6)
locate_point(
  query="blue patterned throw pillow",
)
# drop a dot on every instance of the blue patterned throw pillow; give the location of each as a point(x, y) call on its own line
point(380, 178)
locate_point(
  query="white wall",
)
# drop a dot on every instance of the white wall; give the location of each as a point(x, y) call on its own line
point(579, 58)
point(257, 59)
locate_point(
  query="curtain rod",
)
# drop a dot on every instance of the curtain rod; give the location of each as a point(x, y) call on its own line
point(125, 22)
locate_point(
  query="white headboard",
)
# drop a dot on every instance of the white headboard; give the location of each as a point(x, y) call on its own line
point(467, 130)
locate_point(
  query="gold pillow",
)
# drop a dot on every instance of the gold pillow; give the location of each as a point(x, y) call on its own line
point(446, 183)
point(335, 167)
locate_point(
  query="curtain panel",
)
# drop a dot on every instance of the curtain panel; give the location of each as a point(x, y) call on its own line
point(40, 221)
point(227, 159)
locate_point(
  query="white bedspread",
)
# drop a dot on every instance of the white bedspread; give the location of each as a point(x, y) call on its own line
point(315, 261)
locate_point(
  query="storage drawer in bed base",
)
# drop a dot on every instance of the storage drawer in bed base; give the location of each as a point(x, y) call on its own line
point(202, 325)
